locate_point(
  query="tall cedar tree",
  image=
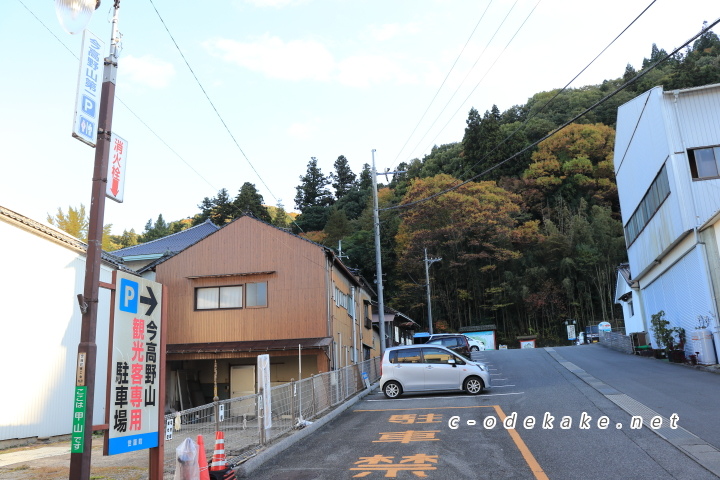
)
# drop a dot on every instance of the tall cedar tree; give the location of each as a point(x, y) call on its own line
point(343, 179)
point(313, 192)
point(248, 200)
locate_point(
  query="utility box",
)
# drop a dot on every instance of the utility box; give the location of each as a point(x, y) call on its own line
point(702, 343)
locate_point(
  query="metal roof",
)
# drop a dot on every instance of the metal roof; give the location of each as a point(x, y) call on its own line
point(172, 243)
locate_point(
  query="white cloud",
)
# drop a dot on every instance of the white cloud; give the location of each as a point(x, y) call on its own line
point(147, 70)
point(388, 31)
point(309, 60)
point(365, 70)
point(293, 60)
point(272, 3)
point(303, 131)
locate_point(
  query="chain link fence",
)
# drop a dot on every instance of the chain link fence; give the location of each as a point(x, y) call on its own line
point(241, 419)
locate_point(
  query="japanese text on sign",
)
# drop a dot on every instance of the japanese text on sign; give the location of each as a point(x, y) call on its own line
point(89, 88)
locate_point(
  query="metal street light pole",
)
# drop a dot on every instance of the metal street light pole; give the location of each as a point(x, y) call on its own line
point(428, 261)
point(378, 261)
point(87, 349)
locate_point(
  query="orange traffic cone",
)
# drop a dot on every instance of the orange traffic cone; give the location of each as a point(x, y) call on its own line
point(218, 459)
point(202, 459)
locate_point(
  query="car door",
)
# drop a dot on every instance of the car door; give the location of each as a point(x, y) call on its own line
point(440, 374)
point(408, 369)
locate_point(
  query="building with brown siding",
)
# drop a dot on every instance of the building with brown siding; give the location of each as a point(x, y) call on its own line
point(251, 288)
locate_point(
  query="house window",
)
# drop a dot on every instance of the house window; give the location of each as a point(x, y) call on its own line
point(704, 162)
point(366, 314)
point(231, 296)
point(214, 298)
point(648, 206)
point(631, 310)
point(256, 295)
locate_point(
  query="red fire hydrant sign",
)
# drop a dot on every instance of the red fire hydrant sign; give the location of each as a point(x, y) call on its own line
point(117, 163)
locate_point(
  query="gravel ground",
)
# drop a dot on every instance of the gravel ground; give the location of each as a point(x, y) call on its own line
point(31, 464)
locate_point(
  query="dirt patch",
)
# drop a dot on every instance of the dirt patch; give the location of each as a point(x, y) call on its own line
point(127, 466)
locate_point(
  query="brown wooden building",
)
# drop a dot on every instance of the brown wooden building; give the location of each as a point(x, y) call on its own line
point(251, 288)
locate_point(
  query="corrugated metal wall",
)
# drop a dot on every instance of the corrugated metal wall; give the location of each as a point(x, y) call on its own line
point(40, 334)
point(682, 292)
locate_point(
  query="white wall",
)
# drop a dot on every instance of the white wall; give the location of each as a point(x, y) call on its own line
point(40, 324)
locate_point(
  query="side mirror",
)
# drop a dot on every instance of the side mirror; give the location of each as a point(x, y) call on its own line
point(452, 362)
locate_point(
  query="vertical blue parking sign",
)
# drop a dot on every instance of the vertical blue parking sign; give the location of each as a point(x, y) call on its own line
point(89, 89)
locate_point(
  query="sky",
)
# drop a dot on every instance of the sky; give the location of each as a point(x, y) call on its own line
point(211, 95)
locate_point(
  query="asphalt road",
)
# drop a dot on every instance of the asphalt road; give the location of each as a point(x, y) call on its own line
point(448, 436)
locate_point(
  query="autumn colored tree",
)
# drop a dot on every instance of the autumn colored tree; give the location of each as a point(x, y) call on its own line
point(76, 223)
point(576, 164)
point(472, 228)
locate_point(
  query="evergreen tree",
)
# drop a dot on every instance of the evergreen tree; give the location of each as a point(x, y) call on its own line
point(280, 219)
point(337, 227)
point(313, 190)
point(248, 200)
point(343, 180)
point(156, 230)
point(365, 177)
point(220, 209)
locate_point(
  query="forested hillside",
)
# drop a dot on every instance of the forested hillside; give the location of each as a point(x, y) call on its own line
point(527, 241)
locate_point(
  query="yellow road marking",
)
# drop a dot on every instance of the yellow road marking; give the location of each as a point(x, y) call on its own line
point(535, 467)
point(524, 450)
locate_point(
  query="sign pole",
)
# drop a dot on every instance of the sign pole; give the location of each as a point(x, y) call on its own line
point(80, 456)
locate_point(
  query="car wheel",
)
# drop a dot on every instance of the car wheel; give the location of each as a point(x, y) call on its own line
point(473, 385)
point(474, 349)
point(392, 389)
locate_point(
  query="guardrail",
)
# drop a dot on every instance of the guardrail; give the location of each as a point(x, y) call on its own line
point(244, 426)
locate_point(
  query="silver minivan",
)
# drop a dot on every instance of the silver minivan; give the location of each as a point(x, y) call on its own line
point(426, 368)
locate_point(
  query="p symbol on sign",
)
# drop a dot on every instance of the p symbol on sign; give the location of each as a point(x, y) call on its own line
point(129, 295)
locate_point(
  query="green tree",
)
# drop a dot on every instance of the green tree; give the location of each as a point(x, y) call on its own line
point(280, 218)
point(127, 239)
point(156, 230)
point(219, 209)
point(313, 192)
point(248, 200)
point(337, 227)
point(343, 179)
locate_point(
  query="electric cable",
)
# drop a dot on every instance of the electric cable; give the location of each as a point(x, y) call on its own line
point(444, 80)
point(561, 127)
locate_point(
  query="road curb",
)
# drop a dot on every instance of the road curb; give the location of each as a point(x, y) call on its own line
point(247, 467)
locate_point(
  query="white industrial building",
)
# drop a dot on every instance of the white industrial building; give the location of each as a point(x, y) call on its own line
point(43, 271)
point(667, 166)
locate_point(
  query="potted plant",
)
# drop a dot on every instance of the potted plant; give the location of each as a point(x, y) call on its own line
point(672, 339)
point(677, 348)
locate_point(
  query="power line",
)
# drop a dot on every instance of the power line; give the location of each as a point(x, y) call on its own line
point(561, 127)
point(557, 94)
point(120, 100)
point(468, 74)
point(483, 77)
point(211, 102)
point(444, 80)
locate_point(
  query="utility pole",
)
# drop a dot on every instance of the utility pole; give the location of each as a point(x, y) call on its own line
point(378, 261)
point(429, 261)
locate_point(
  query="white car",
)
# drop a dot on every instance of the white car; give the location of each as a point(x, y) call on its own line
point(475, 345)
point(426, 368)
